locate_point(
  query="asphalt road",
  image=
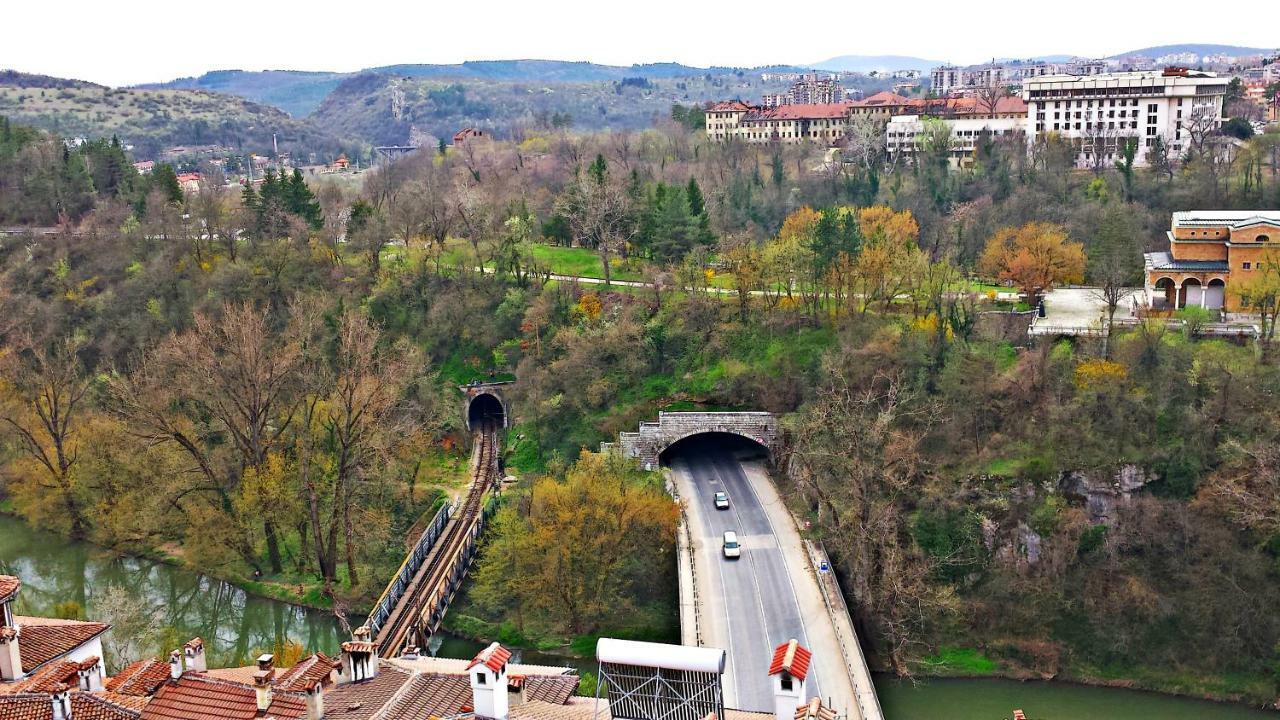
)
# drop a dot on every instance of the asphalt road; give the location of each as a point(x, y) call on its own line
point(754, 597)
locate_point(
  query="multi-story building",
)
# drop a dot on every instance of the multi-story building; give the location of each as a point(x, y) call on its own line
point(967, 119)
point(1100, 113)
point(944, 79)
point(808, 90)
point(824, 123)
point(1208, 249)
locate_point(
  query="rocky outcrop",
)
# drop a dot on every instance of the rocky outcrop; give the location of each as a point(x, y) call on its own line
point(1101, 496)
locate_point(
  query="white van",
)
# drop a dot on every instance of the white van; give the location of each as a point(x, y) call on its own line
point(731, 547)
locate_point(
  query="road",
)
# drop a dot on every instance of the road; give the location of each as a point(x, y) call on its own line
point(750, 605)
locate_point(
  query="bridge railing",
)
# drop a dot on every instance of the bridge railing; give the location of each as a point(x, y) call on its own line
point(412, 563)
point(855, 662)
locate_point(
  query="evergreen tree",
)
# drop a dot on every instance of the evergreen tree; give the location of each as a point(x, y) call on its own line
point(164, 179)
point(697, 205)
point(302, 202)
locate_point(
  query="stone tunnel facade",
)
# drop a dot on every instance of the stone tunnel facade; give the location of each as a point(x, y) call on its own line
point(478, 394)
point(654, 437)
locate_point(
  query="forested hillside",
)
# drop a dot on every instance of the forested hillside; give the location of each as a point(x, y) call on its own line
point(1096, 511)
point(153, 120)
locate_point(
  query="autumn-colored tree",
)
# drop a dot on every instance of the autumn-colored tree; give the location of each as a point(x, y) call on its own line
point(576, 550)
point(882, 224)
point(1034, 257)
point(1259, 292)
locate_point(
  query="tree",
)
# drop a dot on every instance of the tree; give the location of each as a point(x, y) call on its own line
point(1125, 165)
point(599, 212)
point(165, 180)
point(42, 407)
point(1259, 291)
point(1113, 263)
point(576, 549)
point(1034, 257)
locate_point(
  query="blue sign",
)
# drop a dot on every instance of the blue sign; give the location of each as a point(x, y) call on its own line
point(824, 567)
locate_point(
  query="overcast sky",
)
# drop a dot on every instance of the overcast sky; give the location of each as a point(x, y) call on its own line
point(135, 41)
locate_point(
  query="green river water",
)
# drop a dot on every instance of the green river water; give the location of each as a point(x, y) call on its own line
point(236, 627)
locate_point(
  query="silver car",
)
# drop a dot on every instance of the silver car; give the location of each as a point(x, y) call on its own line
point(722, 501)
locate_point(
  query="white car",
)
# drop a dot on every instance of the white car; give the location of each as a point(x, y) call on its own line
point(722, 501)
point(731, 548)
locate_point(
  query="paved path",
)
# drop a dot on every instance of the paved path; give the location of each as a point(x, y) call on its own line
point(768, 596)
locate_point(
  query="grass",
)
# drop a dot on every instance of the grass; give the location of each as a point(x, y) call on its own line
point(959, 661)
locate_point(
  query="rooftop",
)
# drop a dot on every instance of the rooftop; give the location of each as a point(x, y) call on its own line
point(196, 697)
point(1165, 261)
point(9, 587)
point(1225, 218)
point(139, 678)
point(45, 639)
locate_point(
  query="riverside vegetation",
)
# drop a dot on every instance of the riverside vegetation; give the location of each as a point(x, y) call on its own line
point(259, 385)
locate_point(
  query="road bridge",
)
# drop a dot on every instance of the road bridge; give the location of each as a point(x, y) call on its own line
point(654, 438)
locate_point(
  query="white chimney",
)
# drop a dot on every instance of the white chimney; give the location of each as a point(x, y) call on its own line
point(262, 688)
point(194, 652)
point(787, 675)
point(488, 673)
point(175, 665)
point(90, 675)
point(61, 701)
point(359, 657)
point(315, 700)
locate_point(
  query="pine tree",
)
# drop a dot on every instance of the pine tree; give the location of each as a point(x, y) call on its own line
point(302, 202)
point(164, 179)
point(697, 205)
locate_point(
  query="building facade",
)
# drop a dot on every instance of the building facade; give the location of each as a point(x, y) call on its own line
point(1099, 114)
point(1208, 249)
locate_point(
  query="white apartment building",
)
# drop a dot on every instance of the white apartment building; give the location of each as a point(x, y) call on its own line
point(902, 134)
point(1099, 113)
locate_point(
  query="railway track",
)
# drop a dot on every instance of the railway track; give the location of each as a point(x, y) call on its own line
point(432, 586)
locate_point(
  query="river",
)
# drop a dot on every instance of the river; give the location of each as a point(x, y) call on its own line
point(237, 626)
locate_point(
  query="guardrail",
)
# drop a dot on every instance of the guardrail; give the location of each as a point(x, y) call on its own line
point(684, 547)
point(867, 699)
point(408, 568)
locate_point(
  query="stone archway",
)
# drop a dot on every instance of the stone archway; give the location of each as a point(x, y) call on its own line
point(1191, 293)
point(653, 438)
point(486, 401)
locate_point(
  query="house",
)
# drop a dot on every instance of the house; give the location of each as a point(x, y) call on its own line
point(52, 668)
point(466, 134)
point(145, 167)
point(189, 182)
point(1208, 249)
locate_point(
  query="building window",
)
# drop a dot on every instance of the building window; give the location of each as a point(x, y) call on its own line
point(1245, 266)
point(1263, 238)
point(479, 678)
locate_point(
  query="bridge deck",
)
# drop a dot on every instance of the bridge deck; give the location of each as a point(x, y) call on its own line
point(422, 604)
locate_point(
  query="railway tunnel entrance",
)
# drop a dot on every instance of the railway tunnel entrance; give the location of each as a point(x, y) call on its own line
point(486, 408)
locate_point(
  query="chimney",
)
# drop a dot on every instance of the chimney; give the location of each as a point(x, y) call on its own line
point(787, 673)
point(61, 701)
point(10, 658)
point(194, 652)
point(262, 687)
point(175, 665)
point(359, 657)
point(488, 673)
point(90, 675)
point(315, 700)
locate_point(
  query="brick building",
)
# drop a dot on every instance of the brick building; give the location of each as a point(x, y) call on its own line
point(1207, 250)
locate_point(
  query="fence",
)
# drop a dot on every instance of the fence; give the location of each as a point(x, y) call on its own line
point(688, 597)
point(412, 562)
point(856, 664)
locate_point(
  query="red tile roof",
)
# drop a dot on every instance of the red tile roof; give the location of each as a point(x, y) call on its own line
point(492, 657)
point(360, 700)
point(54, 676)
point(84, 706)
point(730, 106)
point(555, 689)
point(792, 658)
point(195, 697)
point(308, 671)
point(884, 97)
point(45, 639)
point(428, 695)
point(139, 678)
point(8, 587)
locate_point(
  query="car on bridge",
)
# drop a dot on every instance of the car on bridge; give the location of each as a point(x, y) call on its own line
point(722, 501)
point(732, 549)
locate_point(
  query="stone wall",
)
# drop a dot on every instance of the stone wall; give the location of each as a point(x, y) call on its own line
point(475, 390)
point(654, 437)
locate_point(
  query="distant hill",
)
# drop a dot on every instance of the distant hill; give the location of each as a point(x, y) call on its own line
point(380, 108)
point(152, 120)
point(296, 92)
point(299, 93)
point(1197, 48)
point(881, 63)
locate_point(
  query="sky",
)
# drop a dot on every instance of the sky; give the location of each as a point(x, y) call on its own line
point(135, 41)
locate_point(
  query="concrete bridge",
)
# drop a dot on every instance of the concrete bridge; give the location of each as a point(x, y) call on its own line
point(654, 438)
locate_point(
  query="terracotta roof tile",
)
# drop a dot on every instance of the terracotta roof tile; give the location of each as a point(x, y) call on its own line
point(26, 706)
point(139, 678)
point(493, 657)
point(45, 639)
point(196, 697)
point(555, 689)
point(93, 706)
point(358, 701)
point(427, 695)
point(815, 710)
point(792, 658)
point(308, 671)
point(8, 587)
point(50, 678)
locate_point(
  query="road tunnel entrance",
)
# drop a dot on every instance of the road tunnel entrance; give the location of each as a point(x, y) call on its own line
point(713, 444)
point(485, 407)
